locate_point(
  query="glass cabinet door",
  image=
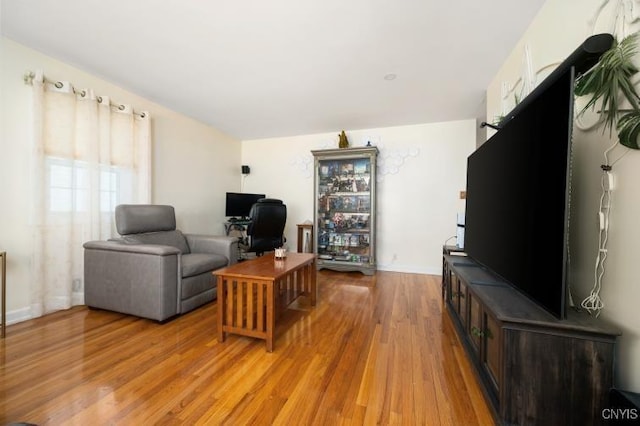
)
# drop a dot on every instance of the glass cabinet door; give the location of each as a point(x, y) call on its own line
point(345, 209)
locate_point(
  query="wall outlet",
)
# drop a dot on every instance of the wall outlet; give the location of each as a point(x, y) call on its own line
point(76, 285)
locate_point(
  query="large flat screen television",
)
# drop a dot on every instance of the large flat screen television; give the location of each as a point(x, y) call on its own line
point(518, 192)
point(238, 204)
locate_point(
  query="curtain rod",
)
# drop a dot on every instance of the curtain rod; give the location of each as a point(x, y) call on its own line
point(29, 76)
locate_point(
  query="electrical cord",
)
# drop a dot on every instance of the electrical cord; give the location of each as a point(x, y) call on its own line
point(244, 176)
point(593, 303)
point(449, 239)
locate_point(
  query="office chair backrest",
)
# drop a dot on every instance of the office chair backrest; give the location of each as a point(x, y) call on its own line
point(268, 217)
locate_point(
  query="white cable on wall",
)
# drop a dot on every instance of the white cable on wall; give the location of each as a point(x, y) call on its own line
point(593, 303)
point(622, 17)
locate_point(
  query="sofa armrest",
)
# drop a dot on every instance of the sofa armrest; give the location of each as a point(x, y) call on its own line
point(135, 279)
point(152, 249)
point(216, 244)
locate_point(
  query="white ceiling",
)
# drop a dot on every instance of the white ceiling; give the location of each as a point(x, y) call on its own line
point(258, 68)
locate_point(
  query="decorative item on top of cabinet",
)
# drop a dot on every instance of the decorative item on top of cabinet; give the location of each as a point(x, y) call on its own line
point(345, 209)
point(343, 141)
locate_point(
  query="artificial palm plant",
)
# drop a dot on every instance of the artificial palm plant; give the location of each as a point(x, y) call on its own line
point(610, 83)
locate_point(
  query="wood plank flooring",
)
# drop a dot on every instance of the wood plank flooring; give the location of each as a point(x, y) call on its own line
point(375, 350)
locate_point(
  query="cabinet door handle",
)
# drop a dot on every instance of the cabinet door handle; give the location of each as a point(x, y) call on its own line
point(476, 331)
point(481, 333)
point(488, 333)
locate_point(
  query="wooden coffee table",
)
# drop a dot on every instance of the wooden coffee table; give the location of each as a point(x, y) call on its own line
point(251, 294)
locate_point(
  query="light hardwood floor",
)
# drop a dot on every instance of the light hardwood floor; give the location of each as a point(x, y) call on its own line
point(375, 350)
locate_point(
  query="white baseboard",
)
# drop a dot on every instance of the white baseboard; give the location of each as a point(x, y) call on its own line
point(18, 315)
point(27, 313)
point(410, 269)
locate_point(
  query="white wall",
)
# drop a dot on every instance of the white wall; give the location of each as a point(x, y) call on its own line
point(417, 203)
point(193, 164)
point(558, 30)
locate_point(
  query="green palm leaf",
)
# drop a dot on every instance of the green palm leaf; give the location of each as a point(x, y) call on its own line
point(629, 129)
point(609, 81)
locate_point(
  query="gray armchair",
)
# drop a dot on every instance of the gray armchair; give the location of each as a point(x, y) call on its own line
point(153, 271)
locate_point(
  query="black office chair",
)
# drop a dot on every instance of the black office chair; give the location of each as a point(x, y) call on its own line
point(266, 229)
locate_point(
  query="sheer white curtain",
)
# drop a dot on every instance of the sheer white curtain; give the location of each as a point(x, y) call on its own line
point(88, 156)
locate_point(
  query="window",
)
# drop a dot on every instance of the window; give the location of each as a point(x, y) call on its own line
point(69, 183)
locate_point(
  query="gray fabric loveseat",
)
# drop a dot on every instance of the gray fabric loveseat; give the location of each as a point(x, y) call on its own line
point(153, 271)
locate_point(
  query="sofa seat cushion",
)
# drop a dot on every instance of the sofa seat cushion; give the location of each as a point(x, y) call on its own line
point(197, 263)
point(165, 238)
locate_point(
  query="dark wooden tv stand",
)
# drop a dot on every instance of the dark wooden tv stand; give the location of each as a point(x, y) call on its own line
point(535, 368)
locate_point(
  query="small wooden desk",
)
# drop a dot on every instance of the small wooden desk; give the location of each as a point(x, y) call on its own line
point(305, 228)
point(251, 294)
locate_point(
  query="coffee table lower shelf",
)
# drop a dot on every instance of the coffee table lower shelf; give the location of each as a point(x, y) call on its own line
point(252, 294)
